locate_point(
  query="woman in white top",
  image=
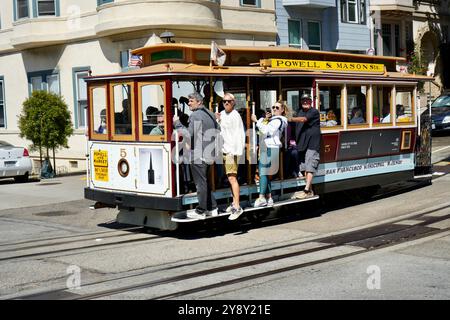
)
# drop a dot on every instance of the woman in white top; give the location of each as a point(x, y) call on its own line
point(269, 147)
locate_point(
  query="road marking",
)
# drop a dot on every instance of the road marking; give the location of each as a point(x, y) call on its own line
point(440, 149)
point(409, 222)
point(441, 224)
point(437, 214)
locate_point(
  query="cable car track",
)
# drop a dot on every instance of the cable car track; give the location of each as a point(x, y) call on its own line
point(367, 239)
point(78, 248)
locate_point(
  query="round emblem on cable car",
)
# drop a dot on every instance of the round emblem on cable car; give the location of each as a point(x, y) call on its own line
point(123, 167)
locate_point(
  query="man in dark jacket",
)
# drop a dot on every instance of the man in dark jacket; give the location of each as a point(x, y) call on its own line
point(202, 124)
point(307, 133)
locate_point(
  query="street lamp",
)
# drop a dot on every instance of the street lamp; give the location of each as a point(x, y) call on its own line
point(168, 36)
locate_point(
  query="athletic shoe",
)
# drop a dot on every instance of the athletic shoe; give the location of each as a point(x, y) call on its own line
point(303, 195)
point(235, 213)
point(260, 202)
point(197, 214)
point(229, 209)
point(270, 202)
point(214, 212)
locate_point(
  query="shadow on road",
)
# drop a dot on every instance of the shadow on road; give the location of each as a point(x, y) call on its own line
point(218, 227)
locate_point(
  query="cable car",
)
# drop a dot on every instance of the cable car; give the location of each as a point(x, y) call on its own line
point(370, 125)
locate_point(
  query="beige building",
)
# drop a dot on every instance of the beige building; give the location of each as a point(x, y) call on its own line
point(402, 26)
point(52, 45)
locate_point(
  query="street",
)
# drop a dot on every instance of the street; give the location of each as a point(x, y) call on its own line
point(395, 246)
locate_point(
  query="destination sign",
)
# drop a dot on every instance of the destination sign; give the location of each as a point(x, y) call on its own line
point(327, 65)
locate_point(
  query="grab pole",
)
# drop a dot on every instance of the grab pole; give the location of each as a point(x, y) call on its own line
point(177, 156)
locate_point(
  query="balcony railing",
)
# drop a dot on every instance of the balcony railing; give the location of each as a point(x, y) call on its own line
point(310, 3)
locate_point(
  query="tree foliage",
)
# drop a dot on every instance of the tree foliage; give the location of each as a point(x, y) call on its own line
point(417, 65)
point(45, 121)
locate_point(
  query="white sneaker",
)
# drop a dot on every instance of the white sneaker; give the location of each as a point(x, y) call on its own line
point(229, 209)
point(260, 202)
point(214, 212)
point(194, 214)
point(270, 202)
point(235, 213)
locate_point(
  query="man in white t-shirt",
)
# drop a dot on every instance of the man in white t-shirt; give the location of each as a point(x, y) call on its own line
point(233, 135)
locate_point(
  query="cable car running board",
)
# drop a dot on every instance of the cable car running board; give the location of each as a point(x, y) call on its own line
point(182, 217)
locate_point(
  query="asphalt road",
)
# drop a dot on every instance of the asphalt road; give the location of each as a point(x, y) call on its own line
point(393, 247)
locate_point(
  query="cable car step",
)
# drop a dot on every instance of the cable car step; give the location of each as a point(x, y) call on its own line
point(181, 216)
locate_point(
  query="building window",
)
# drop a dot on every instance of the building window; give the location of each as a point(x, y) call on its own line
point(353, 11)
point(124, 59)
point(391, 39)
point(409, 38)
point(295, 33)
point(100, 2)
point(44, 80)
point(2, 104)
point(21, 9)
point(252, 3)
point(46, 7)
point(80, 96)
point(314, 35)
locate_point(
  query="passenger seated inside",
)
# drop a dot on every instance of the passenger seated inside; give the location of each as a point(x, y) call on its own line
point(151, 114)
point(122, 120)
point(102, 127)
point(331, 119)
point(386, 115)
point(401, 116)
point(357, 116)
point(159, 129)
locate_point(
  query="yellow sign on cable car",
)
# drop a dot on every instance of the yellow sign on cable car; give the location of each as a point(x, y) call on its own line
point(327, 65)
point(101, 165)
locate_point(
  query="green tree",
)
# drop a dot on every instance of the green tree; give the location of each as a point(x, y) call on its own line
point(417, 65)
point(45, 121)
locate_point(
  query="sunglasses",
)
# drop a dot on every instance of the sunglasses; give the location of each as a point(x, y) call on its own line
point(227, 101)
point(275, 108)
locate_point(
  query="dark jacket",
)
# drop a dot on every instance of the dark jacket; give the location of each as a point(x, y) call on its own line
point(202, 123)
point(307, 133)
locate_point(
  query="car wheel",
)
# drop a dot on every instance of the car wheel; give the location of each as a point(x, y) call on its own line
point(22, 179)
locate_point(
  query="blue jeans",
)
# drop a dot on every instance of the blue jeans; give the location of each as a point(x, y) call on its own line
point(268, 157)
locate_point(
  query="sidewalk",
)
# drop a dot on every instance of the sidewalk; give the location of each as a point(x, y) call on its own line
point(44, 192)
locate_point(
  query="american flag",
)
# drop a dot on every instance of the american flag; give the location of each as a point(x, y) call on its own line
point(135, 61)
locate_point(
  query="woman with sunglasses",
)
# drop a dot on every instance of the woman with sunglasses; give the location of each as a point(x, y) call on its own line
point(269, 149)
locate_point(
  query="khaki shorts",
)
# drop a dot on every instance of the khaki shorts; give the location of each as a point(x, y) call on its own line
point(230, 163)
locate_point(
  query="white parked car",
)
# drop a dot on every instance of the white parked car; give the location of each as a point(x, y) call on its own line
point(15, 162)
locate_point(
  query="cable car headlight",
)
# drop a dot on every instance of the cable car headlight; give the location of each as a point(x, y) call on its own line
point(446, 119)
point(123, 167)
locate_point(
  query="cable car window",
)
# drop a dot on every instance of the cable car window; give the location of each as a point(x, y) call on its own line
point(152, 109)
point(293, 98)
point(382, 104)
point(267, 99)
point(356, 105)
point(122, 109)
point(330, 106)
point(99, 123)
point(404, 104)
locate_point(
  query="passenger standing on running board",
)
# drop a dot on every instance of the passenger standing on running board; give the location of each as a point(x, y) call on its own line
point(233, 135)
point(269, 147)
point(200, 121)
point(307, 132)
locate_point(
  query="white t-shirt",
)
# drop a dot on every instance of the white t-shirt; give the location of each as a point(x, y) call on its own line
point(232, 132)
